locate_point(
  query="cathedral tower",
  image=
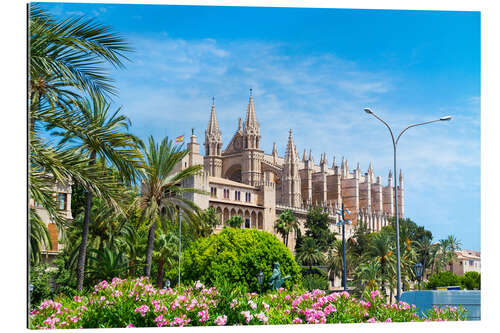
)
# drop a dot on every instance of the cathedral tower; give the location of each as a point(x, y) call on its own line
point(252, 154)
point(291, 193)
point(213, 146)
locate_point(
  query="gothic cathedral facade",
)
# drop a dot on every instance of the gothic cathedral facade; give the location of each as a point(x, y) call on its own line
point(244, 180)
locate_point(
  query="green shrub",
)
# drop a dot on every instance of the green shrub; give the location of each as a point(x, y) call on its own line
point(306, 270)
point(314, 281)
point(237, 255)
point(235, 221)
point(471, 281)
point(442, 279)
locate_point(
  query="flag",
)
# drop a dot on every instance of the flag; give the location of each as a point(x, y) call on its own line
point(180, 138)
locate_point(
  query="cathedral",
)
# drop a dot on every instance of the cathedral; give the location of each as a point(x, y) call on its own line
point(244, 180)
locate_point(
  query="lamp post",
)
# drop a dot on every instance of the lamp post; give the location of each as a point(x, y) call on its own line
point(419, 269)
point(180, 248)
point(342, 221)
point(260, 280)
point(394, 145)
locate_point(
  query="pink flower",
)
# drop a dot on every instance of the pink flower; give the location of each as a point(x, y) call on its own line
point(77, 299)
point(374, 294)
point(262, 317)
point(371, 320)
point(198, 285)
point(130, 326)
point(266, 306)
point(248, 316)
point(252, 305)
point(142, 309)
point(365, 304)
point(329, 309)
point(389, 320)
point(160, 321)
point(203, 316)
point(221, 320)
point(297, 320)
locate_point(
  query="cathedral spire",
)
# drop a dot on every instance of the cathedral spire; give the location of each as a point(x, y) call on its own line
point(311, 155)
point(213, 127)
point(275, 151)
point(291, 153)
point(251, 122)
point(304, 156)
point(334, 165)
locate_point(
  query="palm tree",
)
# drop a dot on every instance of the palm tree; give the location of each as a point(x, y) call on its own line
point(102, 135)
point(66, 59)
point(162, 196)
point(166, 247)
point(285, 224)
point(308, 253)
point(424, 250)
point(368, 274)
point(381, 248)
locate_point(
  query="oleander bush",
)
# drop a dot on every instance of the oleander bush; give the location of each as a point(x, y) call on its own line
point(442, 279)
point(136, 303)
point(238, 255)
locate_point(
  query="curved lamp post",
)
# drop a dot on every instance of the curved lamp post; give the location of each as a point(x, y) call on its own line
point(394, 144)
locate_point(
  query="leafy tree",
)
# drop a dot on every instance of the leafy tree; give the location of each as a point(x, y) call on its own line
point(209, 219)
point(317, 227)
point(235, 221)
point(237, 256)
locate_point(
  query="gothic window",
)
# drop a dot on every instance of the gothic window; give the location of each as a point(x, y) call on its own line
point(247, 223)
point(226, 193)
point(237, 195)
point(213, 192)
point(61, 201)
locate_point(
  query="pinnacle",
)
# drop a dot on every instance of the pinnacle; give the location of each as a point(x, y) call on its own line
point(213, 127)
point(251, 117)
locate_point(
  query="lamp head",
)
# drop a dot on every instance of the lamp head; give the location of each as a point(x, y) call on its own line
point(446, 118)
point(367, 110)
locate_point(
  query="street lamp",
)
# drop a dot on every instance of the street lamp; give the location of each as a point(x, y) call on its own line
point(394, 144)
point(419, 269)
point(342, 221)
point(260, 280)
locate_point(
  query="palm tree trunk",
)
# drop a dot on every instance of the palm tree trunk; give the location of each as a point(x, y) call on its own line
point(159, 276)
point(85, 233)
point(131, 269)
point(149, 250)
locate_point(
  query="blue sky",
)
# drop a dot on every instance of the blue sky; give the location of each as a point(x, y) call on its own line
point(314, 70)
